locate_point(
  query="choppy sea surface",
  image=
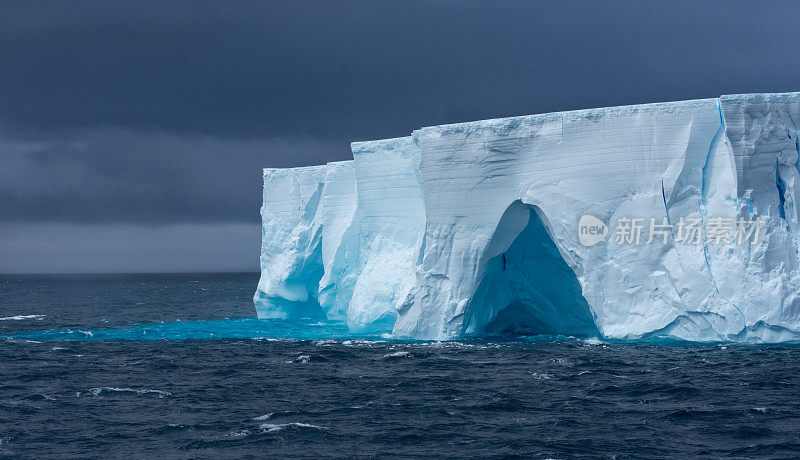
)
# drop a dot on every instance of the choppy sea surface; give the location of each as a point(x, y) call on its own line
point(177, 366)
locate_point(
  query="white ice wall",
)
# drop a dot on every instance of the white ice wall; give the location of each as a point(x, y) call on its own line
point(392, 222)
point(763, 280)
point(291, 242)
point(341, 239)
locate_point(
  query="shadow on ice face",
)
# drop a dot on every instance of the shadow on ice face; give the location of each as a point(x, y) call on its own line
point(526, 287)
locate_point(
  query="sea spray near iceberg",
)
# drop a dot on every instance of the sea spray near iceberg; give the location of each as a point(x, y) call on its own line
point(473, 227)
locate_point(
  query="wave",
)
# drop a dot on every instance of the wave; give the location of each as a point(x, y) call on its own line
point(397, 354)
point(102, 391)
point(272, 427)
point(23, 317)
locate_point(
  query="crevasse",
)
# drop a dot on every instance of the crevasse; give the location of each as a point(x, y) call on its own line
point(472, 228)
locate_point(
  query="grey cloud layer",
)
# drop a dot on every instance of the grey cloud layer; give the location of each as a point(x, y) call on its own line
point(121, 248)
point(113, 175)
point(130, 111)
point(362, 70)
point(165, 112)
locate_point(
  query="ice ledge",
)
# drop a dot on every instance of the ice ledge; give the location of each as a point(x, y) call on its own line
point(396, 143)
point(444, 233)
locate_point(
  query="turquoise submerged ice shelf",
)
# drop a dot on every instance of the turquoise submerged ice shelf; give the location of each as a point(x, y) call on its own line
point(473, 228)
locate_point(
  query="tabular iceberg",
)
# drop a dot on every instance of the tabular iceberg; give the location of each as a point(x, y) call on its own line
point(481, 227)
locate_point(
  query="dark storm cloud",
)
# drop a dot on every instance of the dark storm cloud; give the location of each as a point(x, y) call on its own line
point(165, 111)
point(120, 248)
point(114, 175)
point(345, 70)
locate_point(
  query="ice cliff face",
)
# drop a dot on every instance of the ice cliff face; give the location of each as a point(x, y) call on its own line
point(392, 221)
point(474, 228)
point(291, 243)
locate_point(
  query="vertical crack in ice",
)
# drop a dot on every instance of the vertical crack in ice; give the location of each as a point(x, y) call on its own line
point(797, 149)
point(672, 233)
point(312, 206)
point(421, 253)
point(666, 209)
point(702, 208)
point(781, 185)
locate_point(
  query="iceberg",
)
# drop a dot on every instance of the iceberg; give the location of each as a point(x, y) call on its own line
point(673, 220)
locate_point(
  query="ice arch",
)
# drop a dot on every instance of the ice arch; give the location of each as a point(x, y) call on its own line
point(525, 285)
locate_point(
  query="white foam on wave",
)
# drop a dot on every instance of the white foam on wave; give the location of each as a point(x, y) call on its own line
point(237, 434)
point(97, 391)
point(397, 354)
point(23, 317)
point(362, 342)
point(562, 362)
point(272, 428)
point(264, 417)
point(455, 344)
point(538, 376)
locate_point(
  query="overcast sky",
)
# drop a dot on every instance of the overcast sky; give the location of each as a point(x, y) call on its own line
point(132, 134)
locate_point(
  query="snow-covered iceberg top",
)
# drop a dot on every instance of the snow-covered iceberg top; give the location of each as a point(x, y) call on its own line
point(676, 220)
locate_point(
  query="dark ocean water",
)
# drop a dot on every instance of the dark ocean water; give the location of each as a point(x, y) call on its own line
point(176, 366)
